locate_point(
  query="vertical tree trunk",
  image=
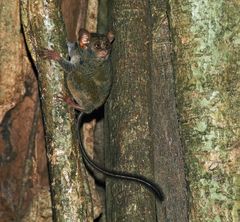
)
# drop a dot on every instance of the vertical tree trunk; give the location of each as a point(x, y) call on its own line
point(103, 13)
point(11, 52)
point(130, 148)
point(43, 28)
point(23, 169)
point(168, 153)
point(206, 36)
point(74, 15)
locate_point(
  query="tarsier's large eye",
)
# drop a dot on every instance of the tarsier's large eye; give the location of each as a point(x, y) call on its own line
point(97, 45)
point(107, 45)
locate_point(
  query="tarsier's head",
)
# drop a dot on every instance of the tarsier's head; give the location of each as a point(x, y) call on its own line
point(99, 44)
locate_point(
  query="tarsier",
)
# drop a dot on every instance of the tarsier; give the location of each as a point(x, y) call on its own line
point(89, 79)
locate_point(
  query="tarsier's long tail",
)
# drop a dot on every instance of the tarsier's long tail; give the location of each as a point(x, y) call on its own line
point(112, 173)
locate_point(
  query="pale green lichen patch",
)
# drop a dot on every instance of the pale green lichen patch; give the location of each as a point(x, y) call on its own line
point(207, 77)
point(201, 126)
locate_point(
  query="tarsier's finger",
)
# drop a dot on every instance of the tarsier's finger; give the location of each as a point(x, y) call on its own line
point(61, 97)
point(85, 40)
point(44, 53)
point(41, 53)
point(49, 54)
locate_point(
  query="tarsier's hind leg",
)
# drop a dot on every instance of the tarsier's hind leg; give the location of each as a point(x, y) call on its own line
point(70, 102)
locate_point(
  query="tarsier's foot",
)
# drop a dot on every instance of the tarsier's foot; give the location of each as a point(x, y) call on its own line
point(70, 102)
point(49, 54)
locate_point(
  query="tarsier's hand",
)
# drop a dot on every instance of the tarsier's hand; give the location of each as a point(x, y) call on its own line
point(49, 54)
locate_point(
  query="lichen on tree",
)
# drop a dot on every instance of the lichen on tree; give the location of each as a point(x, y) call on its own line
point(44, 28)
point(206, 36)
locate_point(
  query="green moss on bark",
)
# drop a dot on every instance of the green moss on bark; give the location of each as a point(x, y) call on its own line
point(206, 35)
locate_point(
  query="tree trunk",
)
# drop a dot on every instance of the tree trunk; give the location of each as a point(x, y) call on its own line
point(23, 173)
point(11, 52)
point(103, 13)
point(206, 37)
point(74, 15)
point(130, 147)
point(43, 28)
point(168, 153)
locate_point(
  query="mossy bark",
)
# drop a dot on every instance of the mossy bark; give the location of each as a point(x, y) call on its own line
point(206, 37)
point(44, 28)
point(130, 148)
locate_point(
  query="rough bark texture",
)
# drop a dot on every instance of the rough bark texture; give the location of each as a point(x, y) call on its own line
point(206, 36)
point(23, 173)
point(43, 28)
point(92, 12)
point(11, 52)
point(168, 153)
point(130, 147)
point(74, 15)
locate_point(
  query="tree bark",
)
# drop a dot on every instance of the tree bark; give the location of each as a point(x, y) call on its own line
point(103, 13)
point(74, 15)
point(130, 148)
point(206, 37)
point(168, 153)
point(11, 52)
point(23, 174)
point(43, 28)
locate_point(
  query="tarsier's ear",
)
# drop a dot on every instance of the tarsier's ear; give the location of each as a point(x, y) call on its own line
point(84, 38)
point(110, 36)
